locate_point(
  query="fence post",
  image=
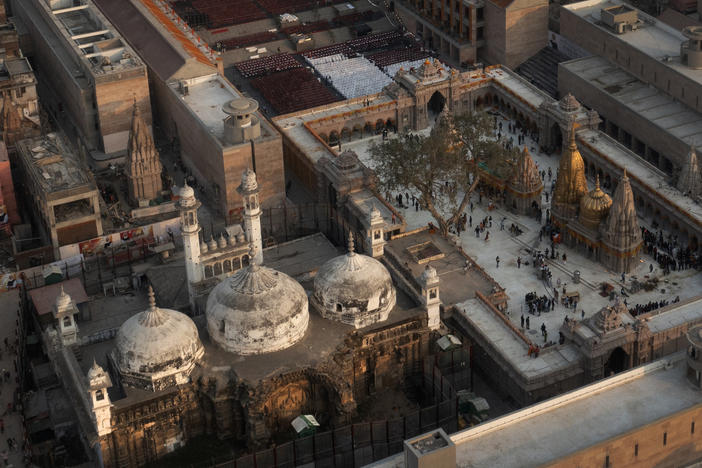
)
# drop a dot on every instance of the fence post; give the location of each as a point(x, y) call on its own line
point(68, 273)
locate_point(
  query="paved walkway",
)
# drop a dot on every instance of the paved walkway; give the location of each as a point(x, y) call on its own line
point(11, 421)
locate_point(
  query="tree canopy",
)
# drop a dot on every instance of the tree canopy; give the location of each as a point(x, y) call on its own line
point(439, 166)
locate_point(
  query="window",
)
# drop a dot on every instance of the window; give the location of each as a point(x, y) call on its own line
point(432, 294)
point(636, 450)
point(221, 326)
point(376, 235)
point(607, 461)
point(67, 321)
point(338, 307)
point(692, 427)
point(665, 438)
point(99, 395)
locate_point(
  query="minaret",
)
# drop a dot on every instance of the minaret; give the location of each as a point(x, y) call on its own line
point(375, 238)
point(621, 234)
point(570, 184)
point(143, 166)
point(252, 212)
point(64, 312)
point(190, 229)
point(98, 383)
point(689, 182)
point(429, 281)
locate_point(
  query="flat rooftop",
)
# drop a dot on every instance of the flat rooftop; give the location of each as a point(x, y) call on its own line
point(640, 171)
point(546, 432)
point(641, 98)
point(512, 349)
point(53, 165)
point(653, 37)
point(93, 39)
point(418, 250)
point(205, 97)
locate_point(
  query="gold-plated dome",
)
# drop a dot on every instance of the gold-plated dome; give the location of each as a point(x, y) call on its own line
point(571, 184)
point(594, 206)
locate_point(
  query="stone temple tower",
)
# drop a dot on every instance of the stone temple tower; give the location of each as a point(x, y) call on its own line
point(621, 234)
point(143, 166)
point(252, 212)
point(190, 229)
point(429, 281)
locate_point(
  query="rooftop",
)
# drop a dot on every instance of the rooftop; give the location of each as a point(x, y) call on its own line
point(652, 104)
point(544, 433)
point(205, 97)
point(91, 36)
point(653, 37)
point(53, 165)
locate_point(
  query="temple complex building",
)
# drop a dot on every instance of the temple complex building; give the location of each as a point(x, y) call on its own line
point(607, 229)
point(524, 187)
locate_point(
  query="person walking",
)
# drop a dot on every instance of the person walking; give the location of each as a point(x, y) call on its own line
point(522, 321)
point(519, 262)
point(527, 323)
point(497, 261)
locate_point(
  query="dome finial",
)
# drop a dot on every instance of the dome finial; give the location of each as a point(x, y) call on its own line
point(597, 182)
point(351, 244)
point(152, 298)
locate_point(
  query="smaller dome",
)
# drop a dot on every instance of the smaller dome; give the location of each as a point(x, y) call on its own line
point(231, 240)
point(375, 215)
point(568, 103)
point(347, 161)
point(63, 300)
point(594, 206)
point(248, 181)
point(157, 348)
point(429, 274)
point(609, 317)
point(212, 244)
point(96, 372)
point(221, 242)
point(187, 191)
point(240, 238)
point(203, 247)
point(354, 289)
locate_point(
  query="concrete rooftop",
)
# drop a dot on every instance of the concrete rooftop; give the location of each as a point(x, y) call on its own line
point(653, 37)
point(548, 431)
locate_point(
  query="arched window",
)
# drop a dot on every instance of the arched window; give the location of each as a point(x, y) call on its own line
point(99, 395)
point(67, 321)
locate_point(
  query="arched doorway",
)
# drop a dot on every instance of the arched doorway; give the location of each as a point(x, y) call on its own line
point(556, 137)
point(436, 103)
point(617, 362)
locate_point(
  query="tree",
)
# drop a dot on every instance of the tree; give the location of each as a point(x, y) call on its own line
point(439, 167)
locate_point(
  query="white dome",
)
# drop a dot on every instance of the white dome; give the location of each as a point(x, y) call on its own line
point(157, 348)
point(257, 310)
point(354, 289)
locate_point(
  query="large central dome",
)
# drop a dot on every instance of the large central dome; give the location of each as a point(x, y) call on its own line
point(257, 310)
point(354, 289)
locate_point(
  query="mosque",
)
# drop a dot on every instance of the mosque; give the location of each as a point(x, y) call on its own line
point(297, 329)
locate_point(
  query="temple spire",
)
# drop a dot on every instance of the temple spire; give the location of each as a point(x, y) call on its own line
point(143, 166)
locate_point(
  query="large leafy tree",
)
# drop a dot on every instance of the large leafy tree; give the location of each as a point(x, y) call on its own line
point(440, 166)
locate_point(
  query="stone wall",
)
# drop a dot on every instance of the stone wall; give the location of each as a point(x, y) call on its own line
point(115, 100)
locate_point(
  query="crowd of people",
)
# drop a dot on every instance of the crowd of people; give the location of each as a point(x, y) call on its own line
point(668, 252)
point(651, 306)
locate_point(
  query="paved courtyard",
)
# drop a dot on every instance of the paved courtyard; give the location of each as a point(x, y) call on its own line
point(520, 281)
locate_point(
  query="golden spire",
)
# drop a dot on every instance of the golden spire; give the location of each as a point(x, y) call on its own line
point(570, 184)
